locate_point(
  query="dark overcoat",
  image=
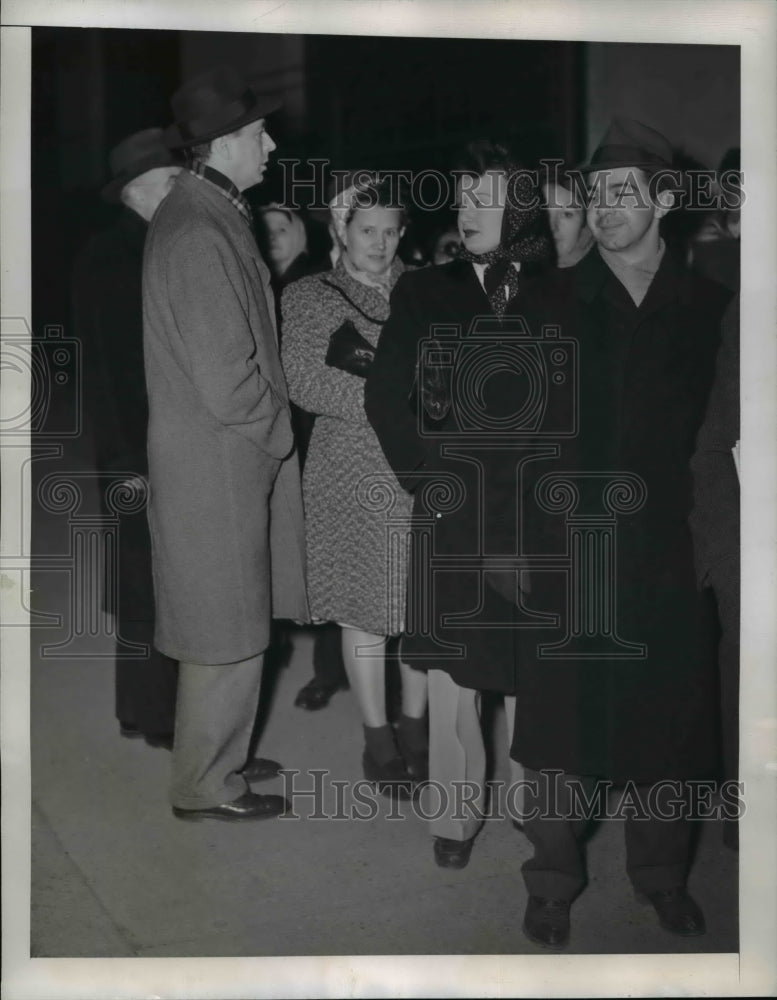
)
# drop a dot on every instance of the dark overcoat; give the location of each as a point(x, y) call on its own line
point(454, 622)
point(623, 684)
point(225, 508)
point(108, 316)
point(715, 516)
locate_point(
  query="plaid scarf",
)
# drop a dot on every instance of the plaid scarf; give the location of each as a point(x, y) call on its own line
point(224, 185)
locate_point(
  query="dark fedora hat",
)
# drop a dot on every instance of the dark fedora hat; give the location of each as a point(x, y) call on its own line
point(213, 104)
point(133, 156)
point(629, 143)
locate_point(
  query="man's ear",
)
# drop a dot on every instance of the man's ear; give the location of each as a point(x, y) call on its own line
point(223, 147)
point(664, 203)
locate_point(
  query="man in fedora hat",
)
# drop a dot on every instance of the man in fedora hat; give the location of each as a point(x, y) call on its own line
point(225, 505)
point(620, 689)
point(108, 312)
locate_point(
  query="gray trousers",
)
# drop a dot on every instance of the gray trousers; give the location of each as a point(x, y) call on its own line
point(455, 799)
point(215, 713)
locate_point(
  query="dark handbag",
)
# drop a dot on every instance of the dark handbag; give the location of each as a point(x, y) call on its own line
point(349, 351)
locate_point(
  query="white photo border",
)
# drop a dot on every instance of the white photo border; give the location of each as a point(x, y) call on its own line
point(752, 24)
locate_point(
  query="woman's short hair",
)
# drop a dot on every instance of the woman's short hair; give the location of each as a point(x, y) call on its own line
point(483, 155)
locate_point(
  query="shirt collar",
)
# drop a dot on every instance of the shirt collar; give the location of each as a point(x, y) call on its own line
point(224, 185)
point(480, 270)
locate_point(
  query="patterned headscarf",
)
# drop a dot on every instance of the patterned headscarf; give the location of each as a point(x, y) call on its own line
point(358, 195)
point(524, 239)
point(342, 203)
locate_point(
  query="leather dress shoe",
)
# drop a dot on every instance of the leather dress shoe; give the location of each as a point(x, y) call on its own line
point(248, 806)
point(677, 911)
point(391, 778)
point(261, 769)
point(316, 694)
point(163, 740)
point(546, 921)
point(452, 853)
point(416, 764)
point(416, 761)
point(131, 732)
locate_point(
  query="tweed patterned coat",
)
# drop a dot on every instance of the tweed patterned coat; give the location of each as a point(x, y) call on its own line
point(349, 489)
point(225, 506)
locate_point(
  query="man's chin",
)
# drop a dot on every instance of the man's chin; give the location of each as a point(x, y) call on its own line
point(609, 242)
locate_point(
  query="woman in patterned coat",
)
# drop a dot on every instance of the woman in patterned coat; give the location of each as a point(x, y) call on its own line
point(357, 515)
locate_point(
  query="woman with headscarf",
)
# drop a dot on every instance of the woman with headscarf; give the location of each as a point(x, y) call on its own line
point(429, 397)
point(356, 514)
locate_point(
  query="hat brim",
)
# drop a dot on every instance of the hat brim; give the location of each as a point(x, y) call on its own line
point(591, 168)
point(174, 139)
point(161, 158)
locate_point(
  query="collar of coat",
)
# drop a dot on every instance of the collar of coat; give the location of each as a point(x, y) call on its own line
point(224, 186)
point(363, 296)
point(594, 278)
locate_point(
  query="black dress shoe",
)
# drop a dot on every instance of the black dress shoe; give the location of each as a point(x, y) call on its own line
point(390, 778)
point(416, 764)
point(261, 769)
point(248, 806)
point(163, 740)
point(677, 911)
point(131, 732)
point(452, 853)
point(546, 921)
point(316, 694)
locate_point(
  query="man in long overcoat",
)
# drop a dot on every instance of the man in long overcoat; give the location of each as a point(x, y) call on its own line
point(225, 506)
point(108, 311)
point(622, 686)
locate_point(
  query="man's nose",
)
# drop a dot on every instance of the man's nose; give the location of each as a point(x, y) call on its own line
point(269, 142)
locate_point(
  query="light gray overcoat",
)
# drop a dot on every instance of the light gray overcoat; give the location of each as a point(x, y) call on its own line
point(225, 507)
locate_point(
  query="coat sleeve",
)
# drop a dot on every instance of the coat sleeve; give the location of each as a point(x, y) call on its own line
point(390, 383)
point(207, 294)
point(313, 384)
point(715, 516)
